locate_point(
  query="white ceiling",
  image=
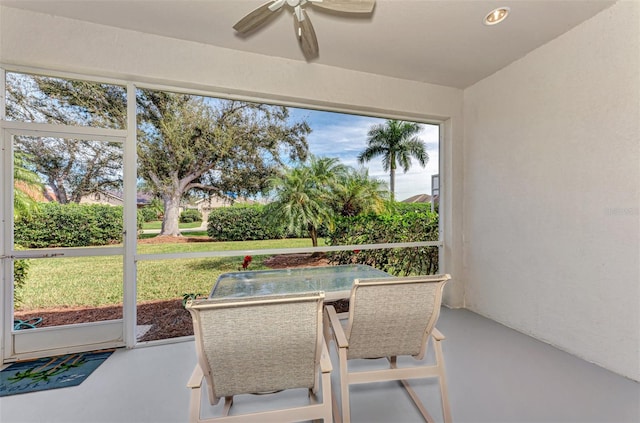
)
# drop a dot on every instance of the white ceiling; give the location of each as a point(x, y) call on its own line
point(442, 42)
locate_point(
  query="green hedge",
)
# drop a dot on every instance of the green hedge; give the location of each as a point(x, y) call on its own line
point(403, 208)
point(20, 271)
point(70, 225)
point(190, 215)
point(241, 223)
point(409, 223)
point(148, 214)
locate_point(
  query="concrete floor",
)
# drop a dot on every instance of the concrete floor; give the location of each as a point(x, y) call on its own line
point(494, 374)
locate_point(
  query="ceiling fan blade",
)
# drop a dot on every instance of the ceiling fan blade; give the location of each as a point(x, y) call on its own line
point(348, 6)
point(306, 35)
point(256, 18)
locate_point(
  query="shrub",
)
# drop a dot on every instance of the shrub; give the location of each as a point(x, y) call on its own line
point(409, 224)
point(190, 215)
point(404, 208)
point(70, 225)
point(157, 205)
point(241, 223)
point(20, 271)
point(149, 214)
point(139, 221)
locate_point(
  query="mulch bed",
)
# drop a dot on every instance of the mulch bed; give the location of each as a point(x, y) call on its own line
point(167, 318)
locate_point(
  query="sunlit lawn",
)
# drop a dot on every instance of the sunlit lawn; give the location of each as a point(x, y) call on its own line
point(187, 233)
point(95, 281)
point(157, 224)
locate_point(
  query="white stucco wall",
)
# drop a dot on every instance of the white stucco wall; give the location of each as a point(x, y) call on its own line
point(53, 43)
point(551, 180)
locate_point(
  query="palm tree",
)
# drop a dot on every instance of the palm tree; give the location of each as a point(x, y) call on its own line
point(28, 187)
point(301, 196)
point(326, 170)
point(397, 143)
point(357, 193)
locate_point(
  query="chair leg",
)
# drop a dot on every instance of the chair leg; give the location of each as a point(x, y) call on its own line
point(194, 405)
point(313, 399)
point(344, 386)
point(393, 363)
point(328, 409)
point(414, 397)
point(444, 395)
point(337, 418)
point(228, 402)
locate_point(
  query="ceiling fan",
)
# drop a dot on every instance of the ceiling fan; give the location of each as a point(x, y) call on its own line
point(302, 25)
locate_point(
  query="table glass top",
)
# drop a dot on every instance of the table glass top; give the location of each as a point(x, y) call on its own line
point(281, 281)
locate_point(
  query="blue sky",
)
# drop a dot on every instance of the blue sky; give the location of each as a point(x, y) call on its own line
point(345, 136)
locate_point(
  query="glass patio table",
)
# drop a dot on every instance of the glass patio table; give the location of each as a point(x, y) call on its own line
point(335, 281)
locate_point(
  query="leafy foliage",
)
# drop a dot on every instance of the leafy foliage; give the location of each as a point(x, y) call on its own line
point(33, 98)
point(396, 142)
point(407, 226)
point(191, 296)
point(404, 208)
point(302, 196)
point(72, 168)
point(69, 225)
point(153, 211)
point(149, 214)
point(28, 187)
point(308, 197)
point(242, 223)
point(355, 192)
point(20, 272)
point(222, 147)
point(185, 143)
point(190, 215)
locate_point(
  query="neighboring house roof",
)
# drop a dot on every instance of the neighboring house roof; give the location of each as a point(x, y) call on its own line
point(420, 198)
point(142, 198)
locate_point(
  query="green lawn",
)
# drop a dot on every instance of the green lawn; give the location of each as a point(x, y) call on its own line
point(157, 224)
point(95, 281)
point(189, 233)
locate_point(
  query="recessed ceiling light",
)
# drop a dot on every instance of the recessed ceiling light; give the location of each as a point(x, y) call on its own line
point(496, 16)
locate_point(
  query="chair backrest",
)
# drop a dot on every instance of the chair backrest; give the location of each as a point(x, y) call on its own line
point(393, 316)
point(259, 344)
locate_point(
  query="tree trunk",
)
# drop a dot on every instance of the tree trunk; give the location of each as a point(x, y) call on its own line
point(313, 232)
point(57, 185)
point(171, 215)
point(392, 183)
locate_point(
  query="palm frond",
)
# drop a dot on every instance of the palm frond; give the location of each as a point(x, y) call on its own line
point(396, 143)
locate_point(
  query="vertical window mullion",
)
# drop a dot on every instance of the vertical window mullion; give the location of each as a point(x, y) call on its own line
point(130, 220)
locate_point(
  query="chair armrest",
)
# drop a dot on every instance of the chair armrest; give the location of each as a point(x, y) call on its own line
point(195, 381)
point(437, 335)
point(325, 359)
point(338, 331)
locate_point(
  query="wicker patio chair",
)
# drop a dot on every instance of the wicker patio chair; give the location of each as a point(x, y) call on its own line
point(390, 317)
point(260, 345)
